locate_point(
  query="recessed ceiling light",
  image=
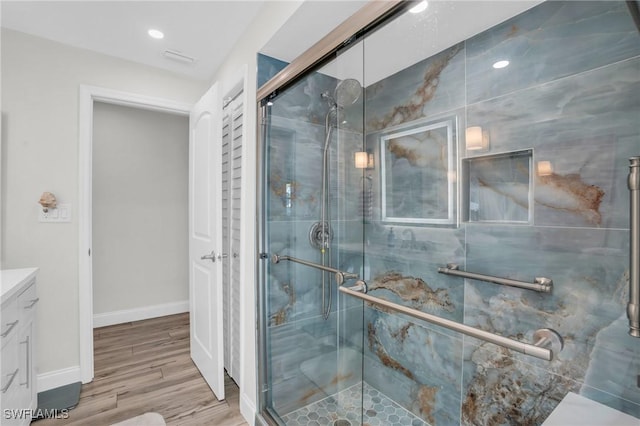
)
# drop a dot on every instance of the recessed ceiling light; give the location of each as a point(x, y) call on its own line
point(420, 7)
point(501, 64)
point(155, 33)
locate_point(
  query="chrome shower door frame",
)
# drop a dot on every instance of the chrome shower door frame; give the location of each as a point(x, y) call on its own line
point(369, 16)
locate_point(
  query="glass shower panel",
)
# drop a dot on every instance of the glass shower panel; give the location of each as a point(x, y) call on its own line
point(414, 116)
point(491, 135)
point(501, 145)
point(313, 213)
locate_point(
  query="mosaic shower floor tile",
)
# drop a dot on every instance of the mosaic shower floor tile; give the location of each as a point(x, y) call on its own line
point(344, 409)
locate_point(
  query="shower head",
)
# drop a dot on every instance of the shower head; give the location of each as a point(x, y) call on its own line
point(347, 92)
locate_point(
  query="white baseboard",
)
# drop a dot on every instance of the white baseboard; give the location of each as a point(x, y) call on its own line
point(247, 409)
point(137, 314)
point(55, 379)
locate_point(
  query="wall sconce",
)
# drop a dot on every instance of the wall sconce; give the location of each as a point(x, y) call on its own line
point(364, 160)
point(544, 168)
point(477, 139)
point(48, 201)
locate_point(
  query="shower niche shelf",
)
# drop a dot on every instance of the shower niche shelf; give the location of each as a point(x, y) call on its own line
point(498, 188)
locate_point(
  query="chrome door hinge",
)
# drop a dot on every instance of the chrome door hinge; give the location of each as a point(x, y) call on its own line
point(263, 116)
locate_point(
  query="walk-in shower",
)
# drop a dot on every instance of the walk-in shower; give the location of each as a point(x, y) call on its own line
point(474, 268)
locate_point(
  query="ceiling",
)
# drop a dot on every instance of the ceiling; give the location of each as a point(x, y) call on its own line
point(410, 38)
point(204, 30)
point(309, 23)
point(397, 45)
point(208, 29)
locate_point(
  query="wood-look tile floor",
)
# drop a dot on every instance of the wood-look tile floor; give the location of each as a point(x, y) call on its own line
point(145, 366)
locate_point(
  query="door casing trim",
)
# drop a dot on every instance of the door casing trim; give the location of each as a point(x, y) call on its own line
point(87, 96)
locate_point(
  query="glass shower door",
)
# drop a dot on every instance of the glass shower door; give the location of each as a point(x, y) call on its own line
point(313, 221)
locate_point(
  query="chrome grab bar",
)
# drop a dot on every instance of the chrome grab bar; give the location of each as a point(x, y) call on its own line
point(544, 337)
point(341, 276)
point(633, 307)
point(541, 284)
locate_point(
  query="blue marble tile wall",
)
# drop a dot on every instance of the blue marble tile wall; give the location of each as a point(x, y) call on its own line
point(268, 67)
point(570, 96)
point(309, 357)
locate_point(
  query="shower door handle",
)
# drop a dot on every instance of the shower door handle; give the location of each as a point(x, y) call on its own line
point(211, 256)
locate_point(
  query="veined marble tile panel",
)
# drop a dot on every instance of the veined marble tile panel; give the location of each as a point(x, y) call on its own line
point(427, 88)
point(408, 272)
point(295, 290)
point(613, 368)
point(550, 41)
point(592, 261)
point(416, 365)
point(589, 272)
point(499, 389)
point(268, 67)
point(587, 127)
point(291, 346)
point(303, 100)
point(295, 158)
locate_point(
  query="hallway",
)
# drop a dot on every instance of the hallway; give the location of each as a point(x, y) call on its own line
point(144, 366)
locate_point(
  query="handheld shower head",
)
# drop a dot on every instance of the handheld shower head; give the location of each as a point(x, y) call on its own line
point(347, 92)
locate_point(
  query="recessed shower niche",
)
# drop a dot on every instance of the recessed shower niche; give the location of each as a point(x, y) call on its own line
point(499, 188)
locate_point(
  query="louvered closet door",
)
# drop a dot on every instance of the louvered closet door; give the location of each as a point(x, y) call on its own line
point(226, 282)
point(236, 184)
point(232, 139)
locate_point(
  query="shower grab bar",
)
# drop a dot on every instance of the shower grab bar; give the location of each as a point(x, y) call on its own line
point(341, 276)
point(633, 307)
point(540, 284)
point(544, 337)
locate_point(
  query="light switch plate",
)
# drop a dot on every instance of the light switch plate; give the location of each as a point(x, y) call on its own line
point(61, 214)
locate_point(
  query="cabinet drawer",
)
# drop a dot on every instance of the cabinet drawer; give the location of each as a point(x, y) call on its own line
point(10, 319)
point(27, 301)
point(9, 370)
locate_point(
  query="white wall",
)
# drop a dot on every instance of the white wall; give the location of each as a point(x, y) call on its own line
point(140, 245)
point(271, 17)
point(40, 90)
point(40, 81)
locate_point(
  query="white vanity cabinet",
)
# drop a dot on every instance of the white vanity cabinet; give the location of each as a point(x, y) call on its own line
point(18, 393)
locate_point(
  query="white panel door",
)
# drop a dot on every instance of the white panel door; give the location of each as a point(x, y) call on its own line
point(205, 240)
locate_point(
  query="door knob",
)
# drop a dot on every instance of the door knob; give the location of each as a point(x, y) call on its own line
point(222, 256)
point(211, 256)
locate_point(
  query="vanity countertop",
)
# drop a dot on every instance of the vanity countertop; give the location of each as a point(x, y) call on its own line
point(12, 279)
point(577, 410)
